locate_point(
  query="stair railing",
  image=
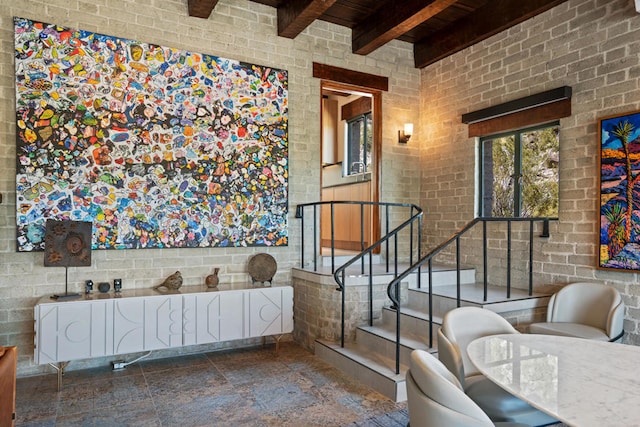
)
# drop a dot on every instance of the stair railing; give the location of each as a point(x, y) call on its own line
point(413, 212)
point(393, 289)
point(390, 236)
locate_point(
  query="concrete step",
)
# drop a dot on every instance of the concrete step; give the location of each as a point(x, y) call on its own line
point(443, 276)
point(472, 294)
point(371, 368)
point(413, 322)
point(382, 339)
point(371, 357)
point(325, 259)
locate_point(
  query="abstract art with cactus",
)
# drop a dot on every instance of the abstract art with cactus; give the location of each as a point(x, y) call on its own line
point(620, 192)
point(158, 147)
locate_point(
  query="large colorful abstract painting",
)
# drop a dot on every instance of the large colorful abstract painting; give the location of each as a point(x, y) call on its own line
point(158, 147)
point(620, 192)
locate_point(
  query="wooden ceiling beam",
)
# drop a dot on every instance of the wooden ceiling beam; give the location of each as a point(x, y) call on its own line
point(393, 20)
point(496, 16)
point(296, 15)
point(201, 8)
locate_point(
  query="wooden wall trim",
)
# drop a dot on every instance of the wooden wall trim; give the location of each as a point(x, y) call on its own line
point(356, 78)
point(519, 104)
point(521, 119)
point(356, 108)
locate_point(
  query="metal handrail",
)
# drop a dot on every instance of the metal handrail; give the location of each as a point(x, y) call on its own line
point(393, 289)
point(300, 215)
point(339, 274)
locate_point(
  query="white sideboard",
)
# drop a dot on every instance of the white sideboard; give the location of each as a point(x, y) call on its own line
point(99, 325)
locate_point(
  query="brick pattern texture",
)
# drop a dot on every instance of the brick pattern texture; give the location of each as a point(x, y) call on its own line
point(590, 45)
point(237, 29)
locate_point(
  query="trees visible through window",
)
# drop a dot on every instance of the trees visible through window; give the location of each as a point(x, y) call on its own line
point(519, 173)
point(359, 143)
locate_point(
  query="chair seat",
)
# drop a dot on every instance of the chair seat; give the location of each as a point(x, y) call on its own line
point(501, 406)
point(569, 330)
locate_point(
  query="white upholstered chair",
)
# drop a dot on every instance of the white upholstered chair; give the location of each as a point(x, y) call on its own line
point(463, 325)
point(584, 310)
point(436, 399)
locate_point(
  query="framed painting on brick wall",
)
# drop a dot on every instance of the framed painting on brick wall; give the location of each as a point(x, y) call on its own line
point(619, 192)
point(159, 147)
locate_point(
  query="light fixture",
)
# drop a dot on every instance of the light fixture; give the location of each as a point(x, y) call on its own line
point(404, 135)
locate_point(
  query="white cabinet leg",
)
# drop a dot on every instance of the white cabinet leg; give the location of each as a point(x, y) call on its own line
point(60, 368)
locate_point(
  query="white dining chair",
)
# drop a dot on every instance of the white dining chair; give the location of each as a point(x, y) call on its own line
point(463, 325)
point(436, 399)
point(584, 310)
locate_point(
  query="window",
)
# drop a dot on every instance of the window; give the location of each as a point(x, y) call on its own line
point(359, 143)
point(519, 173)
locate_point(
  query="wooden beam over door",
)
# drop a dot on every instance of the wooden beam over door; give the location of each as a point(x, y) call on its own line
point(296, 15)
point(201, 8)
point(355, 78)
point(495, 16)
point(391, 22)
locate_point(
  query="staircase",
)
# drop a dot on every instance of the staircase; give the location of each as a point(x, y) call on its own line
point(355, 329)
point(370, 358)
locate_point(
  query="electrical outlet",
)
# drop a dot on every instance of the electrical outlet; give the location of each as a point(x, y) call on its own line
point(119, 364)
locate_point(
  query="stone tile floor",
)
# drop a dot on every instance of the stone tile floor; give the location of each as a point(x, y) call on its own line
point(247, 387)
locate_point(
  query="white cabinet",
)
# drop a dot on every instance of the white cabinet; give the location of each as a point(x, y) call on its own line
point(151, 323)
point(232, 315)
point(270, 311)
point(142, 320)
point(73, 331)
point(213, 317)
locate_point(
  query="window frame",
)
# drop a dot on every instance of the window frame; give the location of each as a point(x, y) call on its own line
point(517, 163)
point(363, 118)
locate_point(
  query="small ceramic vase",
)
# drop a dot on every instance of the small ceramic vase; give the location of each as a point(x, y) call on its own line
point(212, 280)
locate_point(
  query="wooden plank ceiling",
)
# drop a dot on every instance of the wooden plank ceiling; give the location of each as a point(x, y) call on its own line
point(436, 28)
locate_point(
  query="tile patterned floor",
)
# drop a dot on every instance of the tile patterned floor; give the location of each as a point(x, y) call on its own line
point(249, 387)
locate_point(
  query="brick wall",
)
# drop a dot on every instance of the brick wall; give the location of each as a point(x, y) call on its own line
point(237, 29)
point(590, 45)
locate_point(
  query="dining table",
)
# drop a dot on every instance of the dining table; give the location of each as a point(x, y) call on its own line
point(580, 382)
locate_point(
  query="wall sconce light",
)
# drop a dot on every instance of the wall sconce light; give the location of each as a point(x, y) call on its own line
point(404, 135)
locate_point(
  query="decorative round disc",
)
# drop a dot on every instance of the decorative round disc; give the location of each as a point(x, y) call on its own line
point(74, 244)
point(262, 267)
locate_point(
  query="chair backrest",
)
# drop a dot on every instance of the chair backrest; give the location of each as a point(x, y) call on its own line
point(591, 304)
point(463, 325)
point(435, 397)
point(8, 365)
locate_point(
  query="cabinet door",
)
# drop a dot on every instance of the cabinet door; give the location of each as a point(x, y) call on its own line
point(213, 317)
point(147, 323)
point(270, 311)
point(162, 322)
point(72, 330)
point(325, 217)
point(360, 192)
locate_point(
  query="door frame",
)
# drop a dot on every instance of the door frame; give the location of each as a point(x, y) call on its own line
point(340, 79)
